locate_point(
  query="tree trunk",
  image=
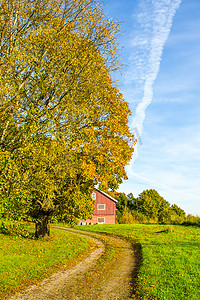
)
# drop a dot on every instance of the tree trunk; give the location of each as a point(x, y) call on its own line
point(42, 225)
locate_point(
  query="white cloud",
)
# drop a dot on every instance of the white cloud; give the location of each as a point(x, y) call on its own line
point(155, 22)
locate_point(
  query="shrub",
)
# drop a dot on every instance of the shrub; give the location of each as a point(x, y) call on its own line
point(165, 217)
point(175, 219)
point(138, 217)
point(125, 217)
point(192, 220)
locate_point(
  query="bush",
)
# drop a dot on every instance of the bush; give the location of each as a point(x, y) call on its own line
point(176, 220)
point(165, 217)
point(153, 220)
point(192, 220)
point(125, 217)
point(138, 217)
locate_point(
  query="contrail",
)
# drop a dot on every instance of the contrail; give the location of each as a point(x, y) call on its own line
point(154, 18)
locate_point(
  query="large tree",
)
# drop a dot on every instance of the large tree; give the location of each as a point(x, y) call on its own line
point(150, 204)
point(64, 124)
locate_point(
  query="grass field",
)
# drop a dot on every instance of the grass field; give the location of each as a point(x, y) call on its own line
point(24, 261)
point(170, 259)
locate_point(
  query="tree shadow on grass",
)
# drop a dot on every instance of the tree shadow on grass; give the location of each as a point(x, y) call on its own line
point(137, 248)
point(163, 231)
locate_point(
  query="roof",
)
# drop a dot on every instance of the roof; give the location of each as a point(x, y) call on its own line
point(113, 199)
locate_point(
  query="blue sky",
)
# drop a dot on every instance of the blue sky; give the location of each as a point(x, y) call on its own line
point(161, 82)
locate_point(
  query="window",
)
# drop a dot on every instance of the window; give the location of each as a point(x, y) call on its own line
point(101, 206)
point(100, 220)
point(94, 196)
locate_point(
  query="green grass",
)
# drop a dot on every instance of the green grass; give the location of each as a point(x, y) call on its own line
point(170, 260)
point(25, 261)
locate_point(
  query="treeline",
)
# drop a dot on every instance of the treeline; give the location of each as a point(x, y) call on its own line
point(150, 207)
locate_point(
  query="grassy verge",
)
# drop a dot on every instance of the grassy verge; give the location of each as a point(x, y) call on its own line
point(170, 266)
point(26, 261)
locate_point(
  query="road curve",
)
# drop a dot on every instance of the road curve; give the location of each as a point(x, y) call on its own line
point(96, 277)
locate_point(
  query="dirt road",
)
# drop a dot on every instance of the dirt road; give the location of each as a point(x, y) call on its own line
point(108, 273)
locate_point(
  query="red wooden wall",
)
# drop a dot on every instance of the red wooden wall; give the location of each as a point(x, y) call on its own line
point(106, 216)
point(109, 205)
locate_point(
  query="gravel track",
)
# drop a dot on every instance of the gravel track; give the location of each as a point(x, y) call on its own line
point(90, 279)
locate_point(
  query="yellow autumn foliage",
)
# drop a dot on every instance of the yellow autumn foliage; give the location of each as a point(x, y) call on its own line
point(64, 124)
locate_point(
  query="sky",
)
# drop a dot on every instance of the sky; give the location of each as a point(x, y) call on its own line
point(161, 81)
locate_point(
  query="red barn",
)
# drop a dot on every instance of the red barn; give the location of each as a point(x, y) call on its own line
point(104, 209)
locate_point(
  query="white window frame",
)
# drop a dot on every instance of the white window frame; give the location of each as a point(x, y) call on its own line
point(100, 218)
point(94, 196)
point(101, 208)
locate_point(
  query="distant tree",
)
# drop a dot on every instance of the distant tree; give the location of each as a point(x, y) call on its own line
point(172, 215)
point(192, 220)
point(180, 212)
point(150, 204)
point(125, 217)
point(123, 201)
point(165, 216)
point(139, 217)
point(132, 199)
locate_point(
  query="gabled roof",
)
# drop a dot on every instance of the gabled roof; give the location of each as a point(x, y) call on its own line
point(111, 198)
